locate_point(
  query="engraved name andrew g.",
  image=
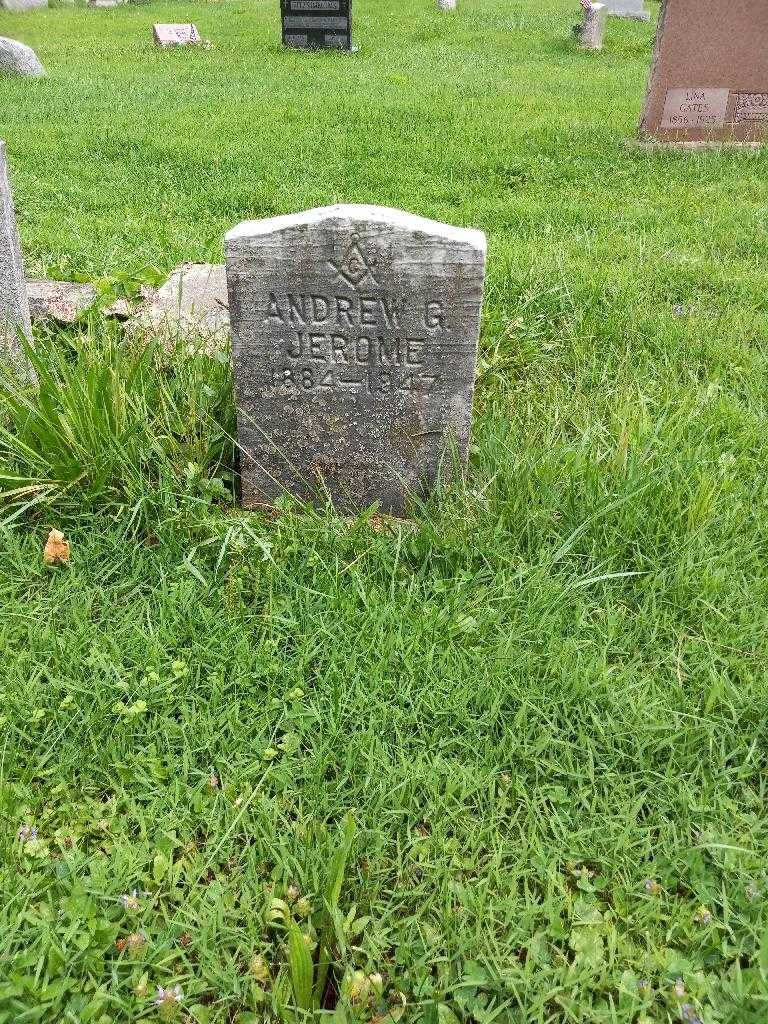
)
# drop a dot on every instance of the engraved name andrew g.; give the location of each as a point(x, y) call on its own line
point(372, 331)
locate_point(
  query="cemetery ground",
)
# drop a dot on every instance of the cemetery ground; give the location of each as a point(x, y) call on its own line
point(541, 700)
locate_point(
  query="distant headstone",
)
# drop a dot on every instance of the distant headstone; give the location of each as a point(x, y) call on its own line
point(709, 78)
point(354, 333)
point(446, 5)
point(176, 35)
point(635, 9)
point(22, 5)
point(18, 59)
point(317, 24)
point(14, 308)
point(591, 31)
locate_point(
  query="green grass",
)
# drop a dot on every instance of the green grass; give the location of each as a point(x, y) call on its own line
point(544, 694)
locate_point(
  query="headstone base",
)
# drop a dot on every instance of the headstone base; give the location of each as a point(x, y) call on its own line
point(733, 145)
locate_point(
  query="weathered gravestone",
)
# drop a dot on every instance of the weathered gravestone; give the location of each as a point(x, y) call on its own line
point(354, 344)
point(446, 5)
point(176, 35)
point(317, 24)
point(14, 308)
point(591, 31)
point(635, 9)
point(709, 78)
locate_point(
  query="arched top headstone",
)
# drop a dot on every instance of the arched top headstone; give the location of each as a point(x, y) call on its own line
point(354, 333)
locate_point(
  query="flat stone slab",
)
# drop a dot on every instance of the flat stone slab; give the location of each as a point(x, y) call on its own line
point(59, 301)
point(176, 35)
point(14, 308)
point(18, 59)
point(354, 346)
point(22, 5)
point(64, 302)
point(192, 304)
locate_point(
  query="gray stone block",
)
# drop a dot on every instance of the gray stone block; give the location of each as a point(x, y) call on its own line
point(354, 335)
point(592, 29)
point(192, 304)
point(176, 35)
point(60, 302)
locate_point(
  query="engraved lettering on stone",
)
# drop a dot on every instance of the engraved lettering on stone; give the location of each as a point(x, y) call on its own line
point(176, 35)
point(314, 5)
point(751, 106)
point(707, 54)
point(695, 108)
point(309, 22)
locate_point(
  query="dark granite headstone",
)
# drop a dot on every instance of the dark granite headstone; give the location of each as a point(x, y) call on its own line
point(354, 346)
point(709, 79)
point(317, 24)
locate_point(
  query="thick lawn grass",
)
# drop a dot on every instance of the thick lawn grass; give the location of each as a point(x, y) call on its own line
point(543, 700)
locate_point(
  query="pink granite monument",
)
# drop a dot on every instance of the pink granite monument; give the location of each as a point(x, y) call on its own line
point(709, 77)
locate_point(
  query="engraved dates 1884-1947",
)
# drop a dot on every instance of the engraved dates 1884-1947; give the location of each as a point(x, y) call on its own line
point(355, 334)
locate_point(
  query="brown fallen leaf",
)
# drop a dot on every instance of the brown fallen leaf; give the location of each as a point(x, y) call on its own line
point(56, 549)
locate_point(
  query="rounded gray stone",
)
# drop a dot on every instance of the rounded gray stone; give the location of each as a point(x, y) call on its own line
point(18, 59)
point(22, 5)
point(192, 304)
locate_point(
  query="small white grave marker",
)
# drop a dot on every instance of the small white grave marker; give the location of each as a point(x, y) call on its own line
point(176, 35)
